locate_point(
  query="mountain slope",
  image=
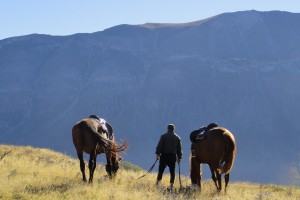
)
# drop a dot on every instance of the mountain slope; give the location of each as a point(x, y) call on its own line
point(31, 173)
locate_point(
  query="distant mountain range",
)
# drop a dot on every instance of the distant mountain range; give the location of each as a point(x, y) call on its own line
point(240, 70)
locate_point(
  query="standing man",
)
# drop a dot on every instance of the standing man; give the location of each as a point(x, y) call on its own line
point(167, 148)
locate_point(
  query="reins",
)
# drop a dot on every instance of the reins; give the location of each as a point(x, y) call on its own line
point(151, 168)
point(179, 176)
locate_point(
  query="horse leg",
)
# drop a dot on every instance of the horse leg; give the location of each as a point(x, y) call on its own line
point(200, 175)
point(92, 165)
point(195, 172)
point(82, 165)
point(213, 176)
point(95, 163)
point(219, 181)
point(226, 180)
point(108, 166)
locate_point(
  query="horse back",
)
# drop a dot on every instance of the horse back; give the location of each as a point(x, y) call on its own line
point(83, 140)
point(223, 133)
point(222, 136)
point(213, 147)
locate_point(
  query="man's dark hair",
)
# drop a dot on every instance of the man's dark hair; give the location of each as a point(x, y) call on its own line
point(171, 127)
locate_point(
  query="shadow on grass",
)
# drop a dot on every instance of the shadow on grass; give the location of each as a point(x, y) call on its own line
point(62, 187)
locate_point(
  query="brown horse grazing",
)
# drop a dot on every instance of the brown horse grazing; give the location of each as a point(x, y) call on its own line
point(89, 137)
point(217, 150)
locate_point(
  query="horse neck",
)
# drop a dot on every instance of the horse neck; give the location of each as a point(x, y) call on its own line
point(114, 158)
point(114, 155)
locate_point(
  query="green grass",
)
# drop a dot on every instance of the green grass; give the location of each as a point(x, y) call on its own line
point(131, 167)
point(30, 173)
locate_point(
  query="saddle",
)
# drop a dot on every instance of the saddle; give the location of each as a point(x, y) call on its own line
point(106, 127)
point(198, 134)
point(201, 133)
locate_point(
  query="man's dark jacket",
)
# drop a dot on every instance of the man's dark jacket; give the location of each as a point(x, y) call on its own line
point(169, 143)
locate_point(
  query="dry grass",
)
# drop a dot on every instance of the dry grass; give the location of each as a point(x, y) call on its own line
point(29, 173)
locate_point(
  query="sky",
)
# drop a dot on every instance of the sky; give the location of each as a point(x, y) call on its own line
point(66, 17)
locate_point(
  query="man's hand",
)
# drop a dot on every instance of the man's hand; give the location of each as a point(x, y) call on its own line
point(157, 156)
point(178, 160)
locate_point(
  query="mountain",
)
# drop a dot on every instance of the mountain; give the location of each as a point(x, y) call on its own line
point(240, 70)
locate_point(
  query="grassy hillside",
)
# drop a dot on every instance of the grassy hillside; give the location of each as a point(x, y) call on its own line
point(30, 173)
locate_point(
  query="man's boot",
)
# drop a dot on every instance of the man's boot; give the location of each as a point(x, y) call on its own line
point(171, 186)
point(157, 183)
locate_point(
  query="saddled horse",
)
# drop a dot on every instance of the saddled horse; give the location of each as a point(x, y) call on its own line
point(89, 137)
point(217, 150)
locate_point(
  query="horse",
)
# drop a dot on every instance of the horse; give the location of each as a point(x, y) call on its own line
point(218, 150)
point(89, 137)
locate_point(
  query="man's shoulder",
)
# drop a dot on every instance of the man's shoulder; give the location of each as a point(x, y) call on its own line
point(170, 134)
point(164, 135)
point(177, 136)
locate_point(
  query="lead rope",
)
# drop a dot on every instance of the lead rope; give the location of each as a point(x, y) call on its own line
point(179, 176)
point(149, 169)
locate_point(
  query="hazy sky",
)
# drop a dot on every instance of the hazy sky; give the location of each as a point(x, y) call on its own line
point(65, 17)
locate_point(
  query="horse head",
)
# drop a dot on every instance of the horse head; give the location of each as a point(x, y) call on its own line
point(113, 166)
point(113, 159)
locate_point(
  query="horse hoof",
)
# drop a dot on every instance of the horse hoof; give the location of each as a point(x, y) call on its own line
point(84, 180)
point(111, 177)
point(90, 181)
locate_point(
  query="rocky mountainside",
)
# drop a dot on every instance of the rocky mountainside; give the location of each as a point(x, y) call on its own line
point(240, 70)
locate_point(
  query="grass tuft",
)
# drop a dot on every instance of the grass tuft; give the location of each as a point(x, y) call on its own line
point(131, 167)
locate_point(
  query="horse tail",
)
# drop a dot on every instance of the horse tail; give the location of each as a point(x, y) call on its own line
point(230, 150)
point(108, 145)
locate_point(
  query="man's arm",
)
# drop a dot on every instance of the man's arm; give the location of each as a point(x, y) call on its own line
point(179, 150)
point(159, 147)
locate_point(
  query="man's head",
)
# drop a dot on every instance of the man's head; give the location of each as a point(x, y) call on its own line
point(171, 127)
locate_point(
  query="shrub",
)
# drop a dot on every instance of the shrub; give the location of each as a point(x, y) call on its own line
point(129, 166)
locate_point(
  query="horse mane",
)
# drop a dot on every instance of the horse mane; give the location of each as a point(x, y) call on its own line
point(109, 145)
